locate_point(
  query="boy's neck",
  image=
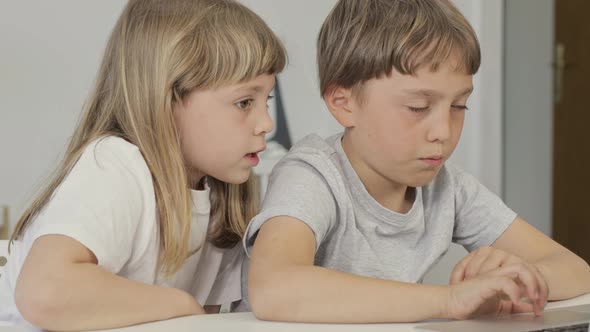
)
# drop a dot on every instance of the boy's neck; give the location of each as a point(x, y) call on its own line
point(394, 196)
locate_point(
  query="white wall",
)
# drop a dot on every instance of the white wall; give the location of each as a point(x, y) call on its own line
point(50, 52)
point(529, 110)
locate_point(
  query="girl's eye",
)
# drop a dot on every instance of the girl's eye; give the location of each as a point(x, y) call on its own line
point(244, 104)
point(268, 99)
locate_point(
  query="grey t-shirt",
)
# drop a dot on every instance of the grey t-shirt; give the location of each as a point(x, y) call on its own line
point(316, 184)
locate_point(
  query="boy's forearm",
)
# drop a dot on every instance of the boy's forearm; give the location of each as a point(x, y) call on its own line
point(88, 297)
point(320, 295)
point(567, 275)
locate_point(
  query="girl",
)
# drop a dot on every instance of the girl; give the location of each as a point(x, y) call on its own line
point(121, 235)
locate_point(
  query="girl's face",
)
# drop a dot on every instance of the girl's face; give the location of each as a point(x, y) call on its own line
point(222, 130)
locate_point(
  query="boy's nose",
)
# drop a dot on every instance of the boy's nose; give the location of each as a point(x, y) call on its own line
point(440, 129)
point(264, 123)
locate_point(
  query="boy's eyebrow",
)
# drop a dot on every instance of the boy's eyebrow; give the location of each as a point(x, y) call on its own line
point(434, 93)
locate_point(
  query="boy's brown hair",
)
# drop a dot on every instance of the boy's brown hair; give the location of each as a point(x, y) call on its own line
point(365, 39)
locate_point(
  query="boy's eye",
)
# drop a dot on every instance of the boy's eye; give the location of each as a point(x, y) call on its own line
point(460, 107)
point(418, 109)
point(244, 104)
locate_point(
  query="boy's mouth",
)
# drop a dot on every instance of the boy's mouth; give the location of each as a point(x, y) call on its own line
point(433, 160)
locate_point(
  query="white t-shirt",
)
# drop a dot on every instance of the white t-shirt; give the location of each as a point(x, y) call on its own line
point(107, 203)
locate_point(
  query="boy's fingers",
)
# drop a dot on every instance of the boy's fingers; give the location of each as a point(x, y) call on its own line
point(493, 262)
point(458, 273)
point(535, 286)
point(476, 262)
point(525, 275)
point(522, 307)
point(508, 285)
point(543, 288)
point(529, 279)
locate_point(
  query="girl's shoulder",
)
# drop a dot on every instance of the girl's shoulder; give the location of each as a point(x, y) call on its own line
point(115, 155)
point(113, 149)
point(112, 146)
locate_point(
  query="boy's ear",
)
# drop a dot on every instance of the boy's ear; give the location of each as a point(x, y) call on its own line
point(341, 104)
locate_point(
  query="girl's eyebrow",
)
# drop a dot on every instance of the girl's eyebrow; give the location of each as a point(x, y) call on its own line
point(255, 89)
point(249, 88)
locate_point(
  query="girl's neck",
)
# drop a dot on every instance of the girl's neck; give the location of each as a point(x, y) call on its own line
point(198, 183)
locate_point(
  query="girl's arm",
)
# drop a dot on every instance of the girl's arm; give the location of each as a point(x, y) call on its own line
point(284, 285)
point(61, 287)
point(567, 275)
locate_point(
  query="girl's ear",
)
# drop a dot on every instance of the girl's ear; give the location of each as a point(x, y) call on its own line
point(341, 104)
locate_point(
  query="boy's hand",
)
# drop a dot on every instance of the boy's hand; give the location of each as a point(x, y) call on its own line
point(497, 292)
point(487, 259)
point(480, 261)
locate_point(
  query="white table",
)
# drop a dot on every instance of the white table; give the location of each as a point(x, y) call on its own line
point(246, 322)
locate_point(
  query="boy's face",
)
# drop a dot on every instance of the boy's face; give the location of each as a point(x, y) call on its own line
point(222, 130)
point(405, 127)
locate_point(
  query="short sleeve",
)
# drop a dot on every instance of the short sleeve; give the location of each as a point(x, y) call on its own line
point(227, 286)
point(299, 191)
point(480, 215)
point(100, 202)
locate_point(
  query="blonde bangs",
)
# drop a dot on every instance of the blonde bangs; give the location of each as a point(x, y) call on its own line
point(230, 47)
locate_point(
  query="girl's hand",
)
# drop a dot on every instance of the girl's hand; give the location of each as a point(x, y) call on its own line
point(497, 292)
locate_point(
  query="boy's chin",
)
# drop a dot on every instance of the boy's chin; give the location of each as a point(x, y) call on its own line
point(421, 181)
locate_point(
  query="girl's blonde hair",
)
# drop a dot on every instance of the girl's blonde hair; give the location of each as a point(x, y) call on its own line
point(158, 52)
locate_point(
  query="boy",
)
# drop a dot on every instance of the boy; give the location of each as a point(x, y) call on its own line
point(350, 224)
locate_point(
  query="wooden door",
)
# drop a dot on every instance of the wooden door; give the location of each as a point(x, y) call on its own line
point(571, 173)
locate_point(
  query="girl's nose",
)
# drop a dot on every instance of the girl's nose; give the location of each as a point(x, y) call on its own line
point(264, 123)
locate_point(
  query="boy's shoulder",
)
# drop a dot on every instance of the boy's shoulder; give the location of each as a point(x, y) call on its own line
point(315, 144)
point(316, 152)
point(313, 160)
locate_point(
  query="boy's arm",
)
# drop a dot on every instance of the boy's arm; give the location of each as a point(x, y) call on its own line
point(60, 287)
point(285, 285)
point(566, 274)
